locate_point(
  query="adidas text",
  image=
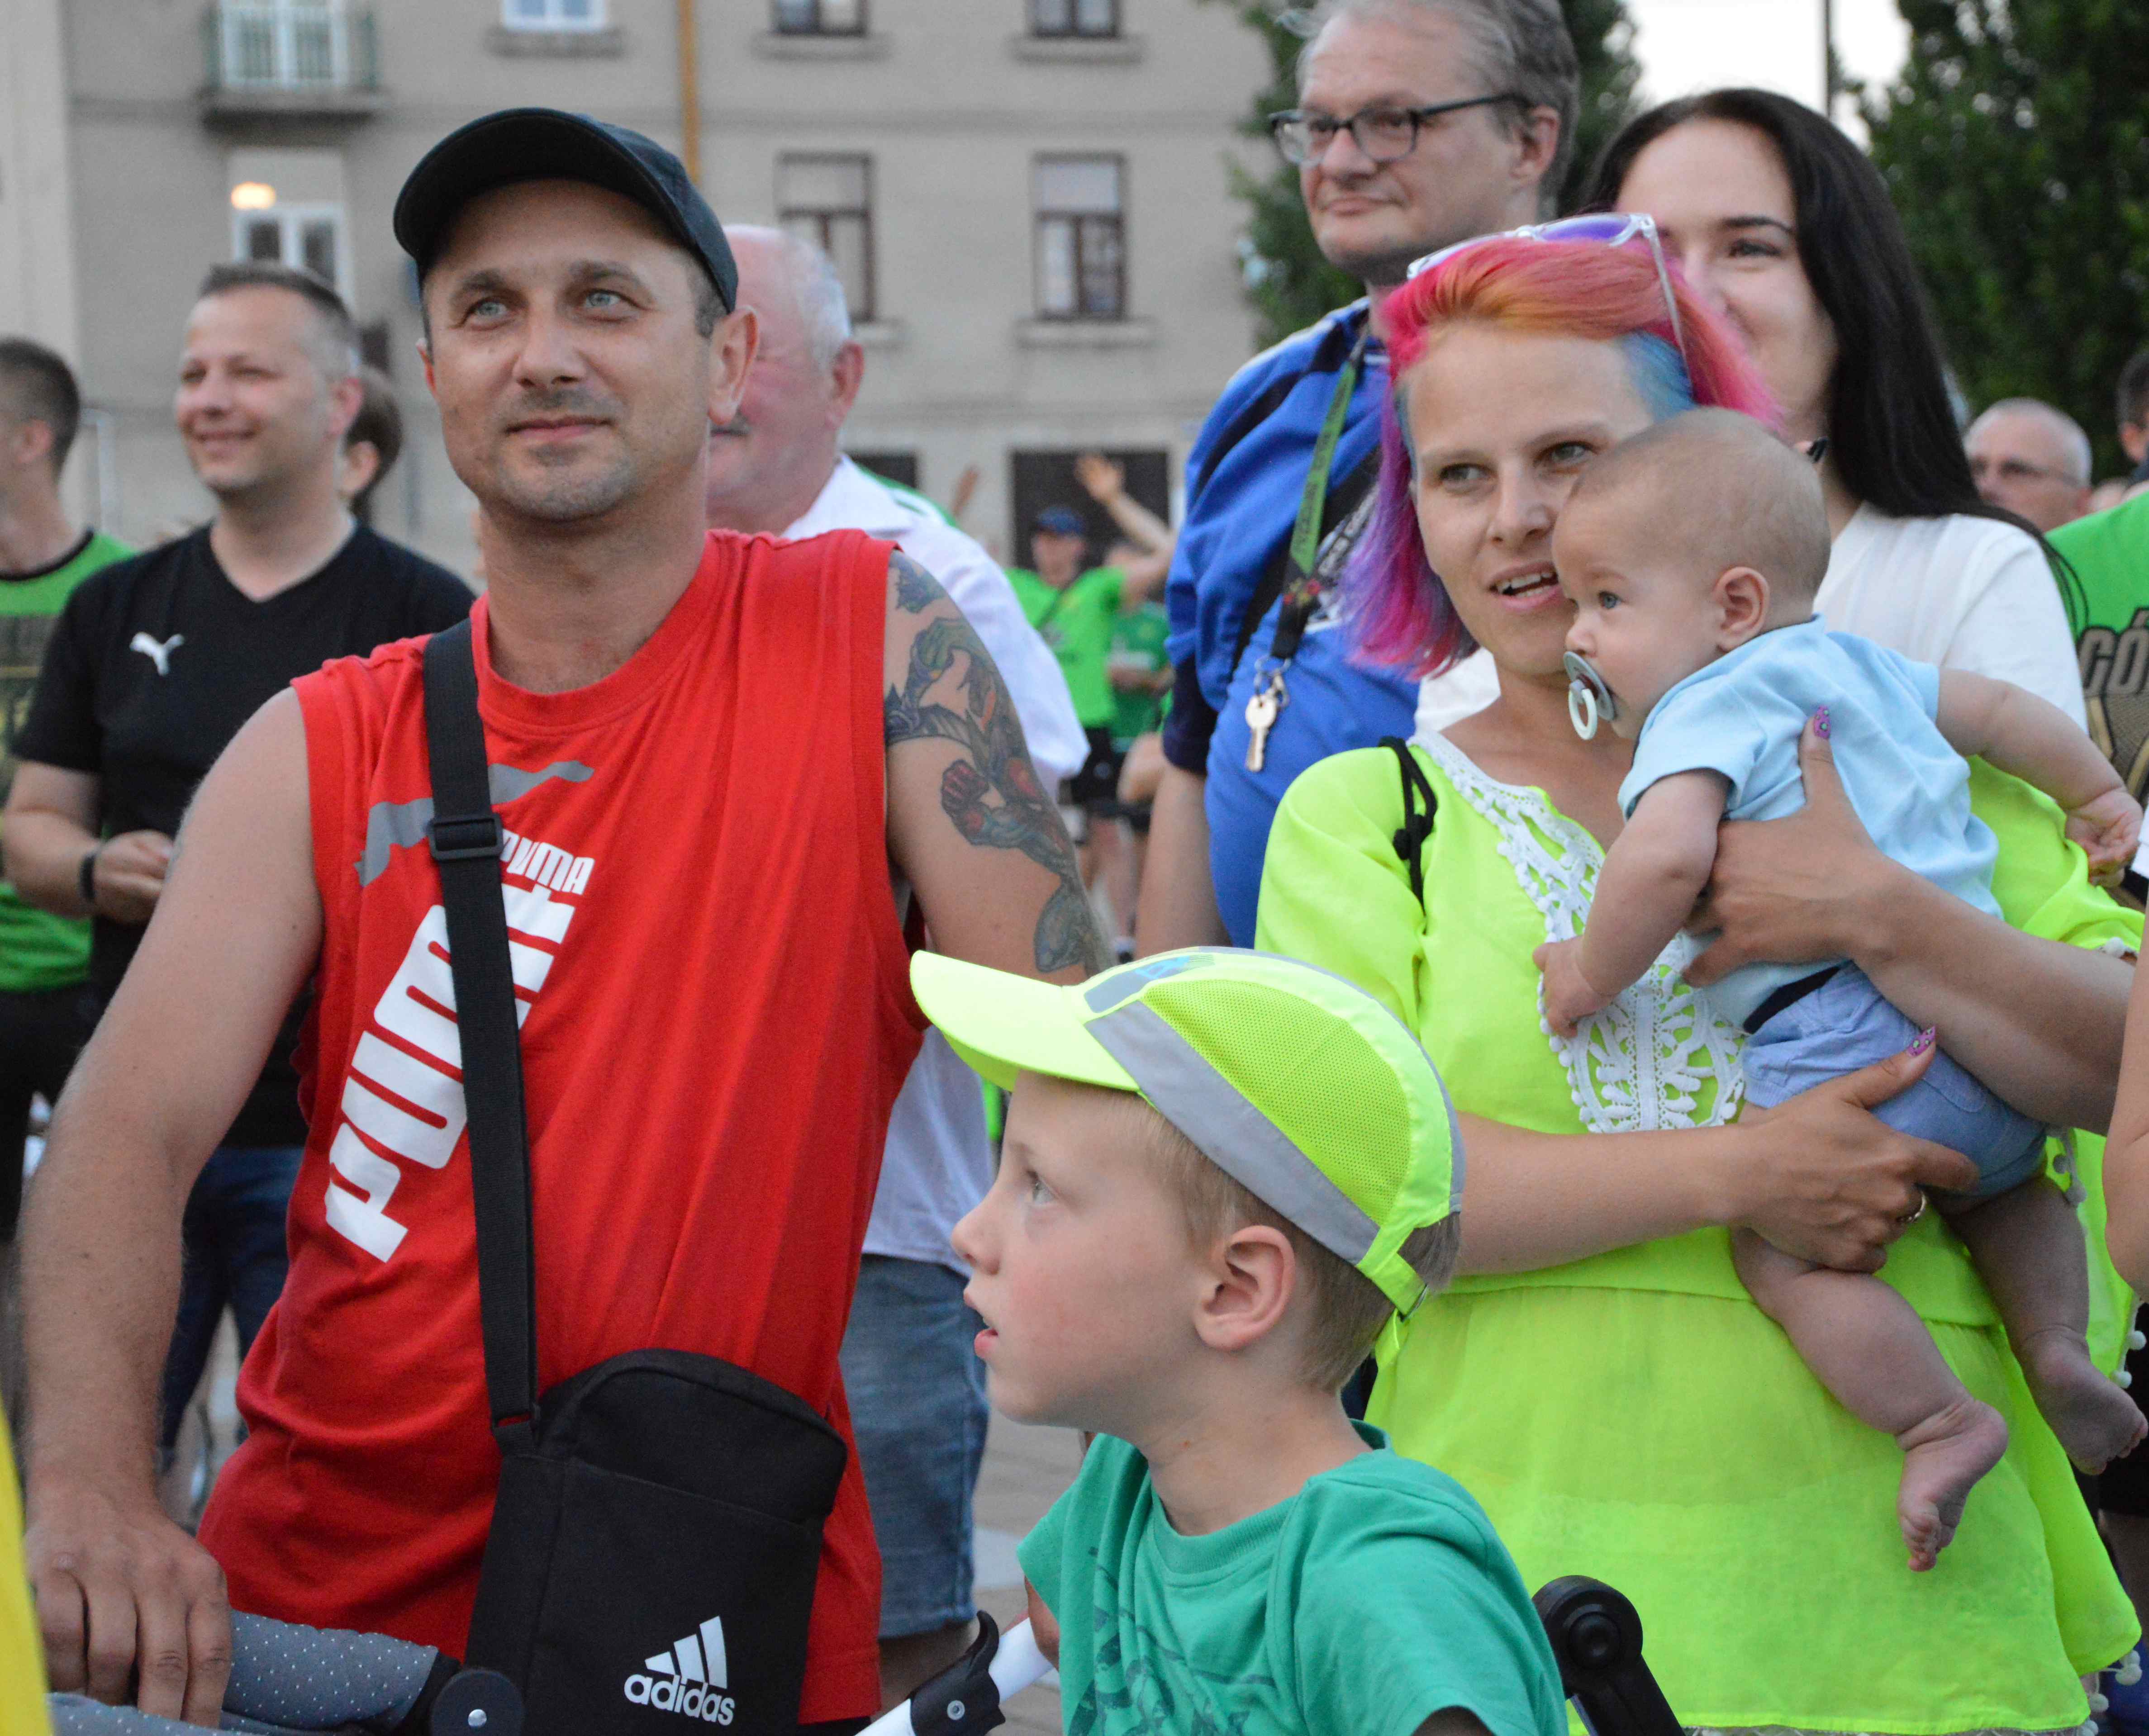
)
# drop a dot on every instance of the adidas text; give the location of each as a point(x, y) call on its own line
point(712, 1705)
point(691, 1678)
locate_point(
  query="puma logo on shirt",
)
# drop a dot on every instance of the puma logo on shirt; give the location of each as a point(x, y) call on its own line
point(157, 651)
point(393, 825)
point(403, 1091)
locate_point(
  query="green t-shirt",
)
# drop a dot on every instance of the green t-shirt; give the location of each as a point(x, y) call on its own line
point(2110, 552)
point(1376, 1597)
point(1077, 624)
point(38, 951)
point(1138, 639)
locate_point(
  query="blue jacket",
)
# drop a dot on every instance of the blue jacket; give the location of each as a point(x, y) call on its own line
point(1245, 476)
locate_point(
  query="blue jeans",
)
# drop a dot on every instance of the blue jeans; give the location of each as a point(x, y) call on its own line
point(235, 1255)
point(916, 1392)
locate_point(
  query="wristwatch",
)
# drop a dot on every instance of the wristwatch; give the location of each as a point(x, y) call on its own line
point(85, 876)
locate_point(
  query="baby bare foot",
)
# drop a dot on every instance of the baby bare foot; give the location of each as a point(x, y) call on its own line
point(1943, 1458)
point(2095, 1420)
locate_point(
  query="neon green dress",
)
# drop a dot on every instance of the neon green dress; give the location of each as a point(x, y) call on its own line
point(1634, 1416)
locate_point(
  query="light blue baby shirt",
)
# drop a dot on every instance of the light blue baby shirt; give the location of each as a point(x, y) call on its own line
point(1741, 716)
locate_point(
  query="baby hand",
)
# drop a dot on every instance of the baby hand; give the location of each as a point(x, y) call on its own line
point(2108, 830)
point(1568, 998)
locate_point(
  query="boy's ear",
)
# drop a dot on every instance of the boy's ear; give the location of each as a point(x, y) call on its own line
point(1741, 595)
point(1252, 1277)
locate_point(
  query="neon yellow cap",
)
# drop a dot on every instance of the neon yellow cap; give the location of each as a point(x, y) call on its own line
point(1297, 1084)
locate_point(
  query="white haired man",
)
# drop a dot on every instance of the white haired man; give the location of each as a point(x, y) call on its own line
point(916, 1387)
point(1419, 123)
point(2033, 459)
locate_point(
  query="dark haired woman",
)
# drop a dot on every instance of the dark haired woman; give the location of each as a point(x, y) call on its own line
point(1779, 221)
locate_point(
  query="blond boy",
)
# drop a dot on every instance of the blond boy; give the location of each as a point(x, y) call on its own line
point(1223, 1172)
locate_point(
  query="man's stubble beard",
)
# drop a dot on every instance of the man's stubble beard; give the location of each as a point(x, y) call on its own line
point(568, 499)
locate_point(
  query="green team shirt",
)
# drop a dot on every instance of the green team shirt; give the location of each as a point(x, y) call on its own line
point(38, 951)
point(1138, 639)
point(2110, 552)
point(1376, 1597)
point(1077, 624)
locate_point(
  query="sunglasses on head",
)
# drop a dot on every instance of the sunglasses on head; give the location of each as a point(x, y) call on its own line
point(1614, 229)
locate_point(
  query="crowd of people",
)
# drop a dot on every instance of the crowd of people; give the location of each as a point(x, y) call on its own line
point(1614, 752)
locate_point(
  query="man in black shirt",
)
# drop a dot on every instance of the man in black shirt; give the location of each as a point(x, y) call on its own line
point(154, 665)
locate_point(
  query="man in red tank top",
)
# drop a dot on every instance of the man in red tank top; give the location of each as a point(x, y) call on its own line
point(711, 753)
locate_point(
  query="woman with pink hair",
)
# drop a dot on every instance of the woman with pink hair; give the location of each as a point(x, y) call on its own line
point(1598, 1378)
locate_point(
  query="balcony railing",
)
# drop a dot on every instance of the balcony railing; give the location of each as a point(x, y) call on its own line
point(293, 57)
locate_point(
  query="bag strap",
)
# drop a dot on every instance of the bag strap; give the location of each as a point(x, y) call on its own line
point(1420, 804)
point(466, 838)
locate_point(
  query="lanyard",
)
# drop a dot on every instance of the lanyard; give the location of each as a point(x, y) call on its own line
point(1301, 586)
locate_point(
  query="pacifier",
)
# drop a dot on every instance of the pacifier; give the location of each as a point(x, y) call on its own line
point(1589, 701)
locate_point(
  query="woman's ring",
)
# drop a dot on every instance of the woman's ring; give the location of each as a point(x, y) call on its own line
point(1910, 1218)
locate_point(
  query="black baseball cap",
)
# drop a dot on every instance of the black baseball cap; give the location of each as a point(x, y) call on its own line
point(550, 144)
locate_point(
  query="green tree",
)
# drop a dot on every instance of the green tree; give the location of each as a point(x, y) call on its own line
point(2013, 142)
point(1287, 281)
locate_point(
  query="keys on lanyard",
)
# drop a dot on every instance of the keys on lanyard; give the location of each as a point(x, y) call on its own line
point(1270, 697)
point(1301, 589)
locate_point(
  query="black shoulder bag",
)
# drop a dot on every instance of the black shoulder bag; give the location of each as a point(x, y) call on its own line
point(657, 1531)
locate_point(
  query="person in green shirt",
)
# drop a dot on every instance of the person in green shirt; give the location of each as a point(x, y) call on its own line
point(1187, 1249)
point(1141, 672)
point(44, 959)
point(1076, 610)
point(2110, 553)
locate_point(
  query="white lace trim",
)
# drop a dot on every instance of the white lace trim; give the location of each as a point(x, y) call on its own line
point(1639, 1066)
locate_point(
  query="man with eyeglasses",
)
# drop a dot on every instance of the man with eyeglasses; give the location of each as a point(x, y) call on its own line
point(2032, 459)
point(1419, 123)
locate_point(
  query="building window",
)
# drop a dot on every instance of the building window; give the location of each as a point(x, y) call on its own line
point(1073, 18)
point(1081, 239)
point(820, 17)
point(311, 236)
point(289, 45)
point(828, 201)
point(552, 14)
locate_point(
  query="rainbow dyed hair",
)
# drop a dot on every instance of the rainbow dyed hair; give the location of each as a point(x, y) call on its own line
point(1559, 289)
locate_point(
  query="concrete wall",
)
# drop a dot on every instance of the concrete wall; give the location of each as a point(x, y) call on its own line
point(949, 98)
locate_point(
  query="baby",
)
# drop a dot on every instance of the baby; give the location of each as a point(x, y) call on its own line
point(1692, 553)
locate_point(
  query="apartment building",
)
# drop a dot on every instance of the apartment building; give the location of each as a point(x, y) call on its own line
point(1028, 200)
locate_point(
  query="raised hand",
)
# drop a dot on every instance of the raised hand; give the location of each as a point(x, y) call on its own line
point(1104, 480)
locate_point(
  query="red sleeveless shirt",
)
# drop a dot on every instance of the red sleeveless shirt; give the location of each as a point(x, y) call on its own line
point(717, 1020)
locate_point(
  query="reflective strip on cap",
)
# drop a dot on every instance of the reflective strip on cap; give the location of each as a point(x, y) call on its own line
point(1230, 1132)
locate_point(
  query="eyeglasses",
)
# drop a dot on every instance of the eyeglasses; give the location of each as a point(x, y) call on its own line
point(2014, 470)
point(1384, 133)
point(1614, 229)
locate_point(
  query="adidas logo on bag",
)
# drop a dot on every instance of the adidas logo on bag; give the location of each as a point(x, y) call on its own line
point(690, 1678)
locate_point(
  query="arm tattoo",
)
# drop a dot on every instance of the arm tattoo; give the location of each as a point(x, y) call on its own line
point(991, 790)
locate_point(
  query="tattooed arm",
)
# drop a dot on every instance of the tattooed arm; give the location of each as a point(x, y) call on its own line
point(967, 825)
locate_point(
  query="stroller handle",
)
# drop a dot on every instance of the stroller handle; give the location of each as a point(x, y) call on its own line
point(964, 1698)
point(1596, 1636)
